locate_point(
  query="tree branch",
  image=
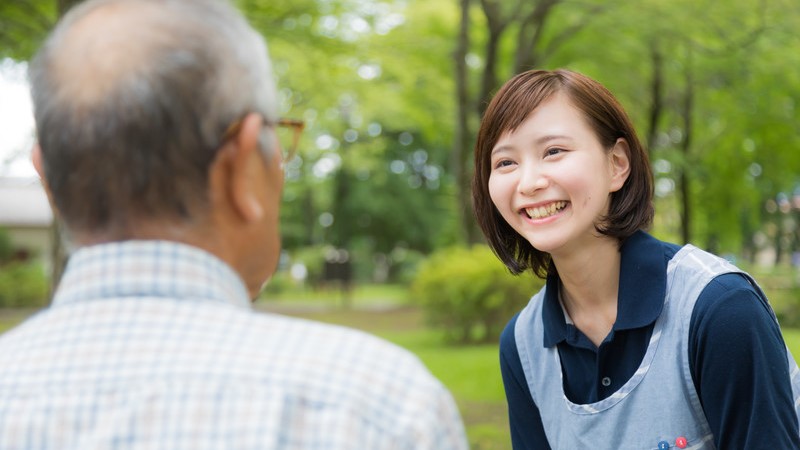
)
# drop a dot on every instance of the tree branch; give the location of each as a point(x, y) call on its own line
point(497, 26)
point(657, 93)
point(530, 33)
point(571, 31)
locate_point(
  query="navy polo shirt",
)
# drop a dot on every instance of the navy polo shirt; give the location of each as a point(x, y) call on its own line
point(736, 354)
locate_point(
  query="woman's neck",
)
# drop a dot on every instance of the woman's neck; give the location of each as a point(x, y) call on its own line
point(589, 286)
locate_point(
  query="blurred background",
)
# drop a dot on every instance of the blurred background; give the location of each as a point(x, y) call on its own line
point(377, 226)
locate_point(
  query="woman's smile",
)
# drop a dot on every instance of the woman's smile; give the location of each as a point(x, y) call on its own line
point(545, 211)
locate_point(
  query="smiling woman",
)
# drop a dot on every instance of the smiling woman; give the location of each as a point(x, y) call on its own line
point(563, 188)
point(16, 120)
point(551, 178)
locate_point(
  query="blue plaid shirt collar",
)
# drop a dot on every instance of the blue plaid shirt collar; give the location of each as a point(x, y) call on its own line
point(149, 269)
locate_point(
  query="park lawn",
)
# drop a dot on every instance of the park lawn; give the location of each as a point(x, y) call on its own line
point(361, 295)
point(792, 338)
point(11, 317)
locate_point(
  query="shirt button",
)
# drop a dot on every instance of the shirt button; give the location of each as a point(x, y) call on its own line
point(606, 381)
point(681, 442)
point(663, 445)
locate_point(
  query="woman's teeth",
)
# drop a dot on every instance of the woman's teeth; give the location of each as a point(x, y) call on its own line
point(545, 211)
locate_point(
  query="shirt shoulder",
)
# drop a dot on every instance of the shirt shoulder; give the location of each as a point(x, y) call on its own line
point(335, 345)
point(381, 382)
point(738, 362)
point(248, 360)
point(730, 322)
point(729, 297)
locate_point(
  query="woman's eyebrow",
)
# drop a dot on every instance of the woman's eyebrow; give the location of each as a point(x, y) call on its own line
point(538, 141)
point(551, 137)
point(499, 148)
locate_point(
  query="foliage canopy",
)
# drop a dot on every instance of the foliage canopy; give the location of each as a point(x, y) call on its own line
point(386, 156)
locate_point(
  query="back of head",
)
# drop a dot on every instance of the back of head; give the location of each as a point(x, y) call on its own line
point(131, 100)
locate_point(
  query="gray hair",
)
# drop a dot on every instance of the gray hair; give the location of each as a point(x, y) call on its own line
point(131, 100)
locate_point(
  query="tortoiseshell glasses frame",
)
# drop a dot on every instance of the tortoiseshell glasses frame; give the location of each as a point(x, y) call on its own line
point(289, 149)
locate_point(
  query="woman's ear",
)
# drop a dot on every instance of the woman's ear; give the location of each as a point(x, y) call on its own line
point(620, 164)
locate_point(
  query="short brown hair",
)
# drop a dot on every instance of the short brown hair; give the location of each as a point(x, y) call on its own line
point(631, 207)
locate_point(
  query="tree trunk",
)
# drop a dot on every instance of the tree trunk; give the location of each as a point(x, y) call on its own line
point(462, 135)
point(657, 94)
point(496, 25)
point(310, 215)
point(489, 78)
point(778, 238)
point(686, 113)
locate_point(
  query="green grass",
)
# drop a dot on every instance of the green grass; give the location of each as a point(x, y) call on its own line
point(360, 295)
point(792, 338)
point(6, 324)
point(11, 317)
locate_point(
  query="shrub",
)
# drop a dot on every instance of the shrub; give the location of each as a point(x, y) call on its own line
point(6, 248)
point(781, 284)
point(786, 304)
point(313, 258)
point(470, 294)
point(23, 285)
point(280, 281)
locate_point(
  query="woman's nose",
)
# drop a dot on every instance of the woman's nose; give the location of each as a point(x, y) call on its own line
point(532, 179)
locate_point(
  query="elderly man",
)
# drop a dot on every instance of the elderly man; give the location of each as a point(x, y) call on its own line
point(156, 142)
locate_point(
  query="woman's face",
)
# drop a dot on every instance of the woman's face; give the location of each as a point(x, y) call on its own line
point(551, 178)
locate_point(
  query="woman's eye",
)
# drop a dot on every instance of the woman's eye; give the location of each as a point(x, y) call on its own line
point(552, 151)
point(503, 163)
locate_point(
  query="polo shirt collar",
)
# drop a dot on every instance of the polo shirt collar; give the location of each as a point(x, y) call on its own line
point(642, 289)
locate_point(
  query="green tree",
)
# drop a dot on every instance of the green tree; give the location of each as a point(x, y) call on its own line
point(704, 81)
point(386, 85)
point(373, 166)
point(23, 25)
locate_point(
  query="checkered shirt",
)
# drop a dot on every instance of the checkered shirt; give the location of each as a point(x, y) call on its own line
point(154, 345)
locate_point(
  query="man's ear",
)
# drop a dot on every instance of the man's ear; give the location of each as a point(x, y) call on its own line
point(242, 162)
point(38, 164)
point(36, 159)
point(619, 158)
